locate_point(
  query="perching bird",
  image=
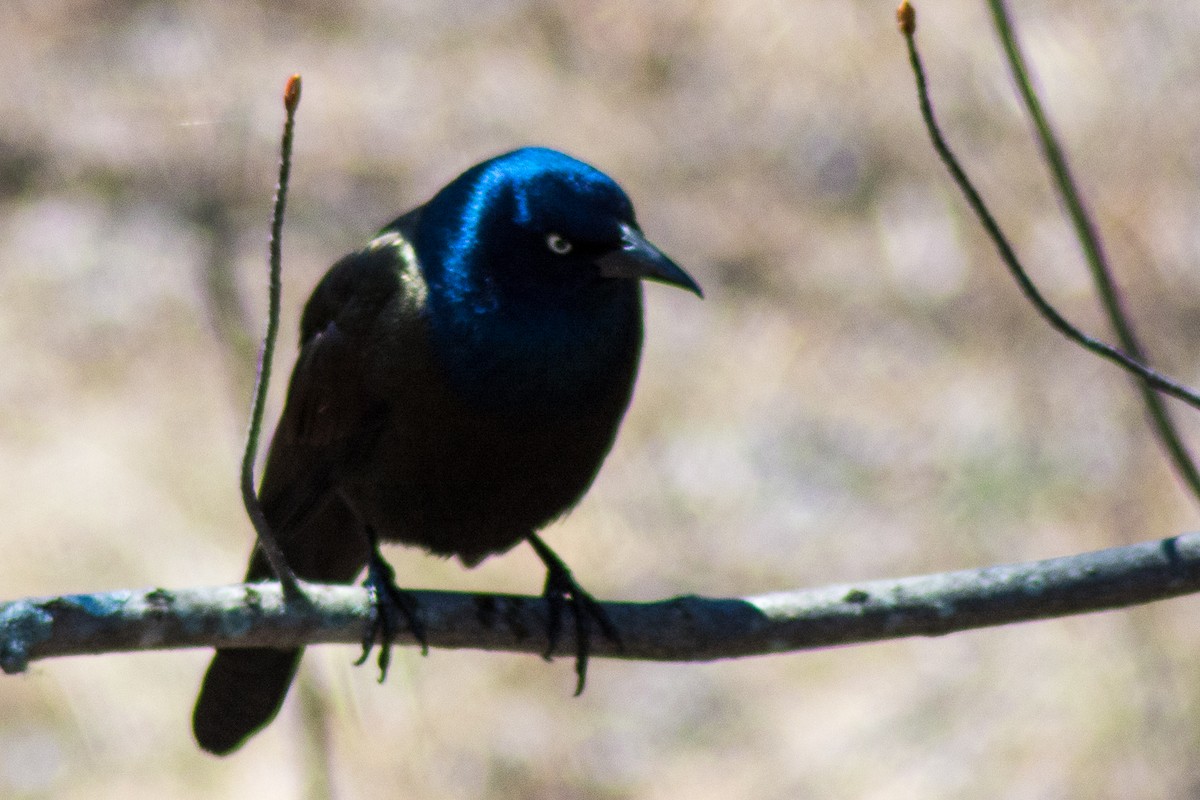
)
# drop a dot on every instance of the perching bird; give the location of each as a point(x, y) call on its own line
point(460, 381)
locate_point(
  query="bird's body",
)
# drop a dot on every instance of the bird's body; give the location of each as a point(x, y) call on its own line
point(459, 383)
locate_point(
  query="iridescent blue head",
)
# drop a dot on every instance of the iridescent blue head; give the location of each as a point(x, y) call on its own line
point(534, 224)
point(533, 262)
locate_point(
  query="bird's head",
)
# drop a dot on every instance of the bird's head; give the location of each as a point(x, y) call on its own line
point(535, 224)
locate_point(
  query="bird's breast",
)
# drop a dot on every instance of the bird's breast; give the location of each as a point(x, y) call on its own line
point(502, 434)
point(542, 361)
point(461, 480)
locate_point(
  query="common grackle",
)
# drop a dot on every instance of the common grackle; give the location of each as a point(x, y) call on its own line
point(460, 380)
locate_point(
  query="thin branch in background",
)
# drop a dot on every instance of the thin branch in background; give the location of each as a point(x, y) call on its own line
point(907, 18)
point(680, 629)
point(1093, 250)
point(266, 538)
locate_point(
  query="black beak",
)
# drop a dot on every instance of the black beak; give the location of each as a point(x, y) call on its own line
point(638, 259)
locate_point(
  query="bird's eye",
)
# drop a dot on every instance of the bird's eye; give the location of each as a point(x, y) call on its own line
point(558, 244)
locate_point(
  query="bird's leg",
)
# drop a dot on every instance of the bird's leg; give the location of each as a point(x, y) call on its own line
point(393, 608)
point(560, 588)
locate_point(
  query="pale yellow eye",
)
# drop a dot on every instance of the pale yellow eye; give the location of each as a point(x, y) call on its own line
point(559, 245)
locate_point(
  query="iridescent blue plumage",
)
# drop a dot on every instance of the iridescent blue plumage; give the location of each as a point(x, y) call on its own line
point(459, 384)
point(518, 326)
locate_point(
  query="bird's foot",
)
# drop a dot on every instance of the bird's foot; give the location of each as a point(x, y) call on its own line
point(394, 610)
point(561, 590)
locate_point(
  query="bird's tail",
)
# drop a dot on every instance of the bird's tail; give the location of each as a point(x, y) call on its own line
point(242, 692)
point(245, 687)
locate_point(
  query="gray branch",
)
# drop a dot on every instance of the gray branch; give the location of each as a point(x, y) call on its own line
point(681, 629)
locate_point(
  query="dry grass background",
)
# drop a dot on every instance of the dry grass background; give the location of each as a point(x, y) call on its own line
point(863, 394)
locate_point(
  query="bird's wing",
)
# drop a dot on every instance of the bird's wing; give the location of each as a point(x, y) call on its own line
point(336, 401)
point(336, 404)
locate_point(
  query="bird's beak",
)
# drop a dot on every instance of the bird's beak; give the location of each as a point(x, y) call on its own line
point(637, 258)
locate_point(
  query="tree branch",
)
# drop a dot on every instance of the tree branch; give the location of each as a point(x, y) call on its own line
point(907, 19)
point(267, 541)
point(1088, 236)
point(680, 629)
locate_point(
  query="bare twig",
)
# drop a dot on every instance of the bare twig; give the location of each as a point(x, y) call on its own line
point(1093, 250)
point(266, 538)
point(681, 629)
point(1007, 254)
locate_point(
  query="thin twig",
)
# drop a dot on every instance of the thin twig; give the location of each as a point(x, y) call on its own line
point(1007, 254)
point(1093, 250)
point(266, 538)
point(680, 629)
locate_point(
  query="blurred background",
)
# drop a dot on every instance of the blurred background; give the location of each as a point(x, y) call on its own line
point(862, 394)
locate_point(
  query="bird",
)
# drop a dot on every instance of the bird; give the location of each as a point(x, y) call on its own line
point(459, 382)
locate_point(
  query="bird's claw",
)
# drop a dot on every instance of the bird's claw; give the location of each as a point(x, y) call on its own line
point(561, 589)
point(394, 609)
